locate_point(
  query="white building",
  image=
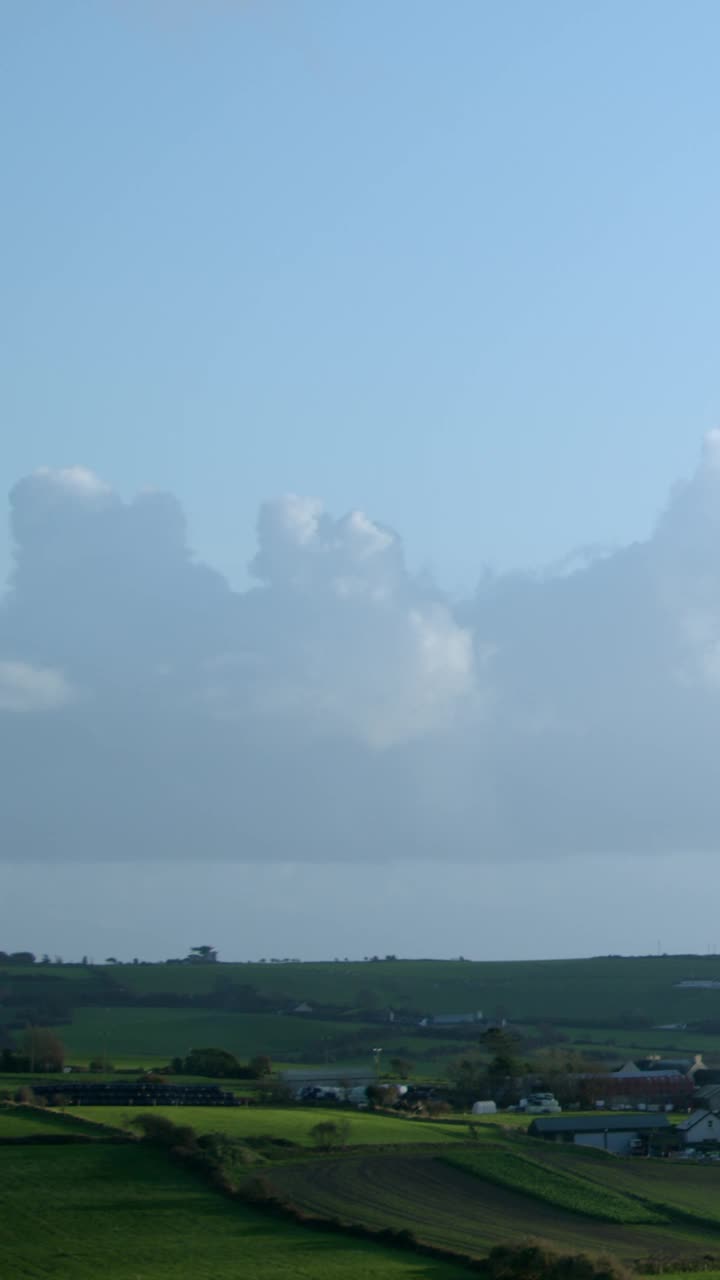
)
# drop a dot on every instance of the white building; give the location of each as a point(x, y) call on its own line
point(700, 1126)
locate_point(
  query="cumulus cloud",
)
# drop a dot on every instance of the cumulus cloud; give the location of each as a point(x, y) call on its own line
point(364, 649)
point(342, 708)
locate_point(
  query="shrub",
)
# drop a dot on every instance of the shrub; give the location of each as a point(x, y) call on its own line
point(163, 1133)
point(535, 1261)
point(330, 1133)
point(436, 1107)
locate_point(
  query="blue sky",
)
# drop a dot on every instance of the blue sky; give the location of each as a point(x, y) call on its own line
point(454, 263)
point(453, 270)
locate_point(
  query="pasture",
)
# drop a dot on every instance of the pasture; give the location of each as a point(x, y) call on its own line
point(528, 991)
point(144, 1036)
point(293, 1123)
point(127, 1213)
point(21, 1122)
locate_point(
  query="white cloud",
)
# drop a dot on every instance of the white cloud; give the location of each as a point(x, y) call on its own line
point(79, 482)
point(342, 707)
point(24, 688)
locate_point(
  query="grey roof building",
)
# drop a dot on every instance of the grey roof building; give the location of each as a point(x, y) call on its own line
point(618, 1134)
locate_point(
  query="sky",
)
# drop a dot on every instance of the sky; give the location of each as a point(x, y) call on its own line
point(358, 411)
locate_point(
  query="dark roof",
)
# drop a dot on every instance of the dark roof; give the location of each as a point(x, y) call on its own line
point(598, 1124)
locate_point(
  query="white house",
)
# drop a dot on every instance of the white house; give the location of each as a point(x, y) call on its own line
point(700, 1126)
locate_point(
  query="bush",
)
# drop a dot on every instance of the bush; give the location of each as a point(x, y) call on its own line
point(163, 1133)
point(535, 1261)
point(436, 1107)
point(330, 1133)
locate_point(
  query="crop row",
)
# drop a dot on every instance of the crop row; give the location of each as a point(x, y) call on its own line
point(563, 1190)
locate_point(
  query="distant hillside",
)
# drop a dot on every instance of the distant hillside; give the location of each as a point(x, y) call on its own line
point(605, 991)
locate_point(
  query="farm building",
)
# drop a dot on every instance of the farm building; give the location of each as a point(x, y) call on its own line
point(700, 1127)
point(622, 1135)
point(686, 1066)
point(633, 1088)
point(300, 1078)
point(451, 1019)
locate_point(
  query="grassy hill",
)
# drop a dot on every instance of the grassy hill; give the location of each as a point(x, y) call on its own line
point(604, 988)
point(22, 1122)
point(145, 1014)
point(126, 1213)
point(294, 1123)
point(158, 1034)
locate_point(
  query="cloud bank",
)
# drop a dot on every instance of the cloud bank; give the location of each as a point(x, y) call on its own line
point(343, 709)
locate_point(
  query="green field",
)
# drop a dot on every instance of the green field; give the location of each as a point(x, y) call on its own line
point(597, 1004)
point(527, 991)
point(20, 1122)
point(606, 988)
point(126, 1213)
point(565, 1188)
point(693, 1189)
point(155, 1035)
point(293, 1123)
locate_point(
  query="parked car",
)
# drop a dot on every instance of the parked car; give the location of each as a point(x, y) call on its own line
point(540, 1104)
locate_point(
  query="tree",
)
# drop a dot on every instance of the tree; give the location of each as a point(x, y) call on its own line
point(377, 1094)
point(560, 1071)
point(499, 1041)
point(211, 1062)
point(437, 1107)
point(469, 1079)
point(44, 1049)
point(163, 1133)
point(261, 1065)
point(401, 1067)
point(330, 1133)
point(203, 955)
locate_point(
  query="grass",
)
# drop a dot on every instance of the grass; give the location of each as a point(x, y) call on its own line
point(293, 1123)
point(565, 1188)
point(126, 1213)
point(147, 1036)
point(526, 990)
point(19, 1122)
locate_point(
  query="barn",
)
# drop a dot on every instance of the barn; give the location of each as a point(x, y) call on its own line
point(621, 1135)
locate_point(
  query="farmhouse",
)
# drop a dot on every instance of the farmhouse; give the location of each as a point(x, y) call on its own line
point(622, 1135)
